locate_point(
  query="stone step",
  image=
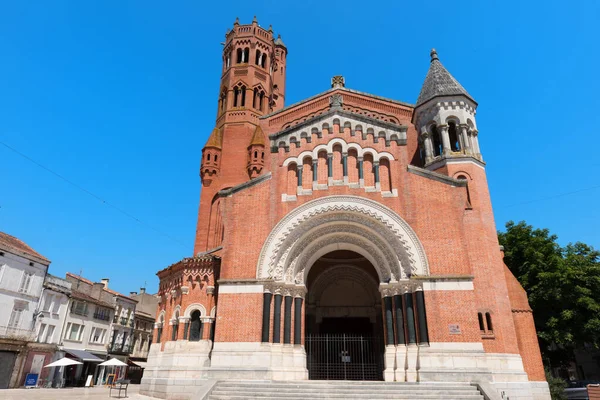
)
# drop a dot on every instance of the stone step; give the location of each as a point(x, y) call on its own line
point(357, 397)
point(343, 394)
point(354, 390)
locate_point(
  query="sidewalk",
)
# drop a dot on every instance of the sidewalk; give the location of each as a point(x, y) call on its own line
point(69, 393)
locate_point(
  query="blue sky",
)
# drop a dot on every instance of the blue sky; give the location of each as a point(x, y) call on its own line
point(119, 97)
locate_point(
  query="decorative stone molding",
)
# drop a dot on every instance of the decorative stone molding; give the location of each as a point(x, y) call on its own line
point(207, 320)
point(173, 293)
point(195, 306)
point(210, 290)
point(400, 288)
point(314, 153)
point(360, 223)
point(285, 289)
point(185, 289)
point(183, 320)
point(359, 125)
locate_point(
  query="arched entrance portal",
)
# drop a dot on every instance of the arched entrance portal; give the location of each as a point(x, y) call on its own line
point(343, 319)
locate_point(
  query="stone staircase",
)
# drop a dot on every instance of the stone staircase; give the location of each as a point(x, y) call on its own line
point(315, 390)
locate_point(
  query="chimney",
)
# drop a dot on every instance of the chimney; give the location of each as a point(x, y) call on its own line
point(105, 282)
point(132, 293)
point(142, 290)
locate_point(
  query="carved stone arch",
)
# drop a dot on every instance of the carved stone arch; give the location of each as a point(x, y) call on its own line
point(176, 313)
point(408, 256)
point(161, 317)
point(213, 311)
point(195, 306)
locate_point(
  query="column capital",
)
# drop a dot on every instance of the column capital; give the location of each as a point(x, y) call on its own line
point(207, 320)
point(360, 158)
point(315, 161)
point(329, 155)
point(425, 134)
point(299, 167)
point(474, 132)
point(184, 319)
point(345, 154)
point(376, 163)
point(442, 127)
point(210, 290)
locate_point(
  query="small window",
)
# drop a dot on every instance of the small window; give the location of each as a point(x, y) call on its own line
point(216, 155)
point(488, 320)
point(25, 282)
point(453, 135)
point(481, 325)
point(31, 264)
point(255, 154)
point(240, 56)
point(195, 327)
point(436, 141)
point(468, 206)
point(208, 157)
point(262, 155)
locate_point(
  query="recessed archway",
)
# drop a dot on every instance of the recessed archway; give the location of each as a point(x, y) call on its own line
point(343, 318)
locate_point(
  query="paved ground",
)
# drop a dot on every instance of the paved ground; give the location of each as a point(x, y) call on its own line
point(69, 393)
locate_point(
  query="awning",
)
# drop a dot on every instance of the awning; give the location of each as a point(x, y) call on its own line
point(141, 364)
point(83, 355)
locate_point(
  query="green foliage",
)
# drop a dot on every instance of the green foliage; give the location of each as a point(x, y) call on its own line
point(557, 387)
point(563, 286)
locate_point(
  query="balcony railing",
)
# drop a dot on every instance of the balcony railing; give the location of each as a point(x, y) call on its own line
point(101, 316)
point(79, 312)
point(120, 348)
point(8, 332)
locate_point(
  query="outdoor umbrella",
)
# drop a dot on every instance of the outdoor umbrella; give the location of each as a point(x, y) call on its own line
point(62, 363)
point(113, 362)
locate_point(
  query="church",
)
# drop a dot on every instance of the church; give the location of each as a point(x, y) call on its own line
point(347, 237)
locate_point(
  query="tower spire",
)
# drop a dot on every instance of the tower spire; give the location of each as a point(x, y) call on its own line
point(439, 82)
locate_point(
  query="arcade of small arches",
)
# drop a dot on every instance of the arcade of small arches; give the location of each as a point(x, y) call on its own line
point(196, 324)
point(449, 139)
point(338, 163)
point(240, 92)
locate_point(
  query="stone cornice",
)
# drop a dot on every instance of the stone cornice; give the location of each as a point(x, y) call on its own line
point(245, 185)
point(436, 176)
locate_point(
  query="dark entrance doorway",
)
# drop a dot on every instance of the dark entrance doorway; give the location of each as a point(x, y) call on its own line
point(344, 330)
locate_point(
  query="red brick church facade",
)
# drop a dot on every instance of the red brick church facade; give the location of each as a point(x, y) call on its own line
point(345, 213)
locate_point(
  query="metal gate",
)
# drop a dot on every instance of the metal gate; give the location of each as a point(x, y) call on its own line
point(344, 357)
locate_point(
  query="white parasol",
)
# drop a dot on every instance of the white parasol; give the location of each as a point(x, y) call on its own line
point(113, 362)
point(62, 363)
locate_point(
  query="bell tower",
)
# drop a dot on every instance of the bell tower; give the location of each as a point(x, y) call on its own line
point(253, 76)
point(445, 118)
point(252, 85)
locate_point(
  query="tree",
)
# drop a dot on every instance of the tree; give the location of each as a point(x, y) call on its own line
point(563, 286)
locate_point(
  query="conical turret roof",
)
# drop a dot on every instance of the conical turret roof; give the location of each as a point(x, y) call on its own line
point(215, 140)
point(258, 139)
point(439, 82)
point(278, 41)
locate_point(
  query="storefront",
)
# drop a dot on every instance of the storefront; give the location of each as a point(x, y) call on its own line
point(77, 375)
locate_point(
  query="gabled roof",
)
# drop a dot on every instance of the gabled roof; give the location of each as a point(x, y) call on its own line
point(215, 140)
point(19, 247)
point(82, 279)
point(328, 91)
point(258, 139)
point(439, 82)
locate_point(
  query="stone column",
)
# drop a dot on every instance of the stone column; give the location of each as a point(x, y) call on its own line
point(421, 317)
point(389, 320)
point(376, 170)
point(345, 167)
point(287, 319)
point(443, 130)
point(475, 142)
point(315, 177)
point(361, 174)
point(389, 358)
point(426, 138)
point(299, 188)
point(412, 352)
point(298, 320)
point(330, 169)
point(266, 322)
point(464, 138)
point(400, 371)
point(277, 319)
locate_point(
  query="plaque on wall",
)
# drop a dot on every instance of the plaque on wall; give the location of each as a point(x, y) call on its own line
point(454, 329)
